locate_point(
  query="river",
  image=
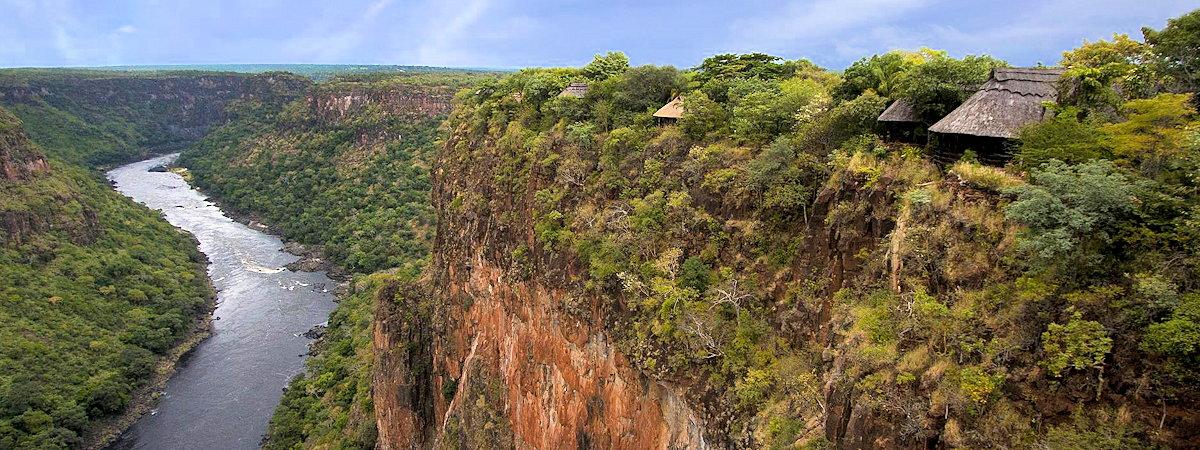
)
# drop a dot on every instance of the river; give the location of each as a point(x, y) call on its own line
point(223, 393)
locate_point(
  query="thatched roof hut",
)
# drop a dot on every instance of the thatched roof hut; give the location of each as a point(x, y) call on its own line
point(1010, 100)
point(901, 123)
point(900, 110)
point(673, 110)
point(577, 90)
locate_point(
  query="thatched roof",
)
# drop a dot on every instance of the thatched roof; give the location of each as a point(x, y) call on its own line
point(577, 90)
point(1010, 100)
point(672, 110)
point(900, 110)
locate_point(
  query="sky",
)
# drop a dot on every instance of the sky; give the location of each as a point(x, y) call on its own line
point(522, 33)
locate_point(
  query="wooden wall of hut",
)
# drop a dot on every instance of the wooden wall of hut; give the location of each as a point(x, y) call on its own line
point(947, 149)
point(903, 132)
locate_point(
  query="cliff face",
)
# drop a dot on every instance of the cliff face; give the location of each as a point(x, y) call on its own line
point(23, 164)
point(343, 168)
point(512, 360)
point(19, 160)
point(514, 370)
point(339, 103)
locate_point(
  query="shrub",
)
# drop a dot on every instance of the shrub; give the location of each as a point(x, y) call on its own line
point(1063, 137)
point(695, 274)
point(1080, 344)
point(977, 385)
point(1178, 338)
point(704, 116)
point(1065, 206)
point(985, 177)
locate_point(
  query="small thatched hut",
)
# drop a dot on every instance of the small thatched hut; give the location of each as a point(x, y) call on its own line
point(671, 111)
point(900, 122)
point(988, 121)
point(577, 90)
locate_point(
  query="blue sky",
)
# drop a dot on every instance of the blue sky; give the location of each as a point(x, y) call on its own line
point(512, 33)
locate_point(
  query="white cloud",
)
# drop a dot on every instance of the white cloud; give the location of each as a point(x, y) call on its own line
point(127, 29)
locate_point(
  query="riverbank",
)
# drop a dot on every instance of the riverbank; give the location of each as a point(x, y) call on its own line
point(143, 399)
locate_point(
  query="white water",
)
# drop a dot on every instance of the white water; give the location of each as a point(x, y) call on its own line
point(224, 392)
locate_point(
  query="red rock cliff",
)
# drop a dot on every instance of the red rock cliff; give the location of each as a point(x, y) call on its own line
point(487, 356)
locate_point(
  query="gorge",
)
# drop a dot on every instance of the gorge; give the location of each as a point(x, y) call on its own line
point(539, 259)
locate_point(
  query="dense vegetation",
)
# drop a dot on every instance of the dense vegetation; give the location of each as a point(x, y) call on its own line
point(95, 289)
point(769, 252)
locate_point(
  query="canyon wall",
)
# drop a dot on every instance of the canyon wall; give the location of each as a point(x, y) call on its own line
point(339, 102)
point(184, 106)
point(19, 159)
point(104, 118)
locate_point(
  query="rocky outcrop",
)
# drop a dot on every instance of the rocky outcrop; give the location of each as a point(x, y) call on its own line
point(345, 101)
point(23, 163)
point(19, 159)
point(511, 360)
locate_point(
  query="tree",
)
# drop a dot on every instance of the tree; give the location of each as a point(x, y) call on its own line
point(768, 110)
point(703, 116)
point(1157, 132)
point(1063, 137)
point(644, 88)
point(750, 65)
point(1179, 45)
point(843, 122)
point(942, 83)
point(607, 66)
point(1071, 211)
point(1096, 69)
point(881, 73)
point(1178, 339)
point(1080, 344)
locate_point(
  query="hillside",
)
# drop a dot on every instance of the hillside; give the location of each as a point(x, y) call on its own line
point(767, 272)
point(97, 291)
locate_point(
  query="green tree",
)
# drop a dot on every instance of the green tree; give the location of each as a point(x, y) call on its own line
point(1080, 344)
point(750, 65)
point(881, 73)
point(1071, 211)
point(942, 83)
point(1063, 137)
point(1178, 338)
point(1179, 45)
point(606, 66)
point(1095, 70)
point(703, 116)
